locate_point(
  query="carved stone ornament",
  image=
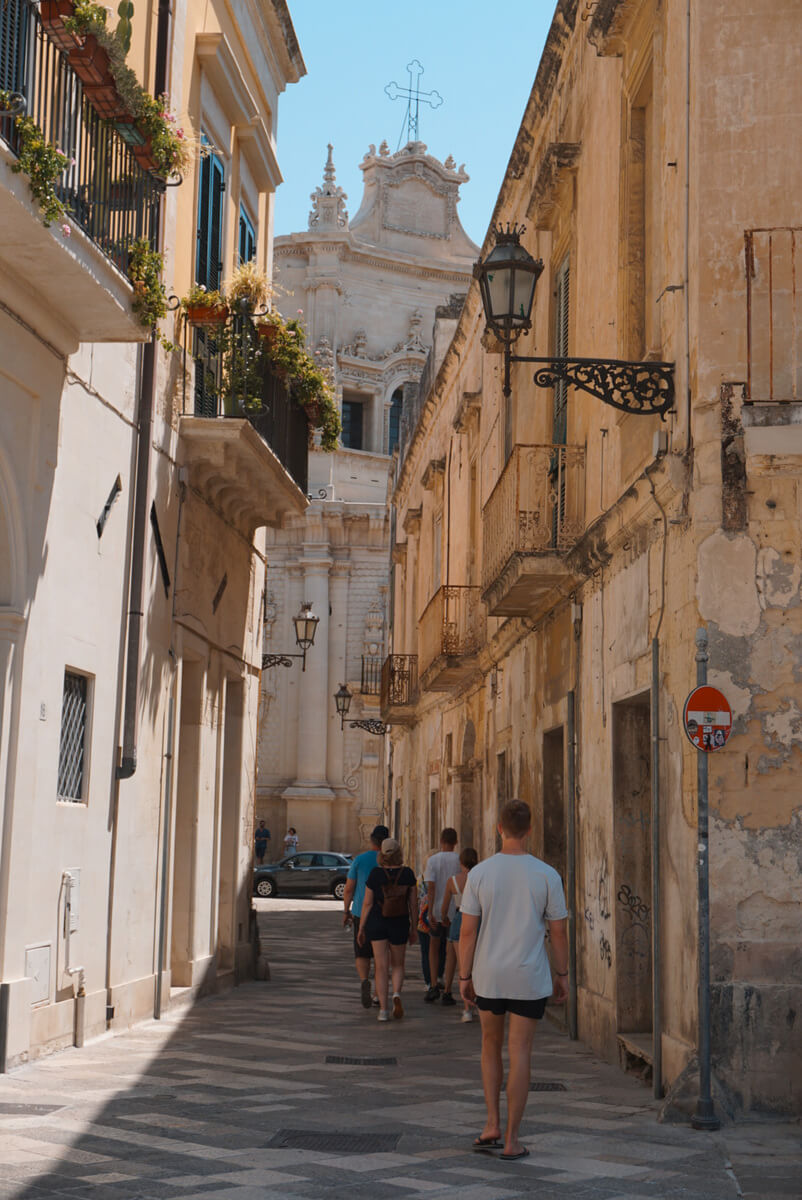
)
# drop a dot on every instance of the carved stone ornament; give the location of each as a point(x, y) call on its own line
point(328, 200)
point(559, 158)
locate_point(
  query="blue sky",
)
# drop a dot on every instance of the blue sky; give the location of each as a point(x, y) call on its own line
point(481, 58)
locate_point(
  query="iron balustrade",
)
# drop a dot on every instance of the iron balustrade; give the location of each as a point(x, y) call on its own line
point(104, 189)
point(773, 316)
point(399, 682)
point(227, 374)
point(536, 507)
point(371, 675)
point(451, 625)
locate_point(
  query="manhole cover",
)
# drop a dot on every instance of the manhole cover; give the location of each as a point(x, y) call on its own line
point(29, 1110)
point(334, 1142)
point(361, 1062)
point(547, 1085)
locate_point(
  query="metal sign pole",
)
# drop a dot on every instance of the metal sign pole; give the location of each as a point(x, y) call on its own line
point(704, 1117)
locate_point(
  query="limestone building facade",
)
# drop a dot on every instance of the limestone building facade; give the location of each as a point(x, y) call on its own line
point(368, 288)
point(554, 557)
point(132, 544)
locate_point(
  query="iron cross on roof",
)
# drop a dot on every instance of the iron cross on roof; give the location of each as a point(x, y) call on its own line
point(414, 98)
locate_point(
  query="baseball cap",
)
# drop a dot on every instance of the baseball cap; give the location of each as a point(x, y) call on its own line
point(390, 845)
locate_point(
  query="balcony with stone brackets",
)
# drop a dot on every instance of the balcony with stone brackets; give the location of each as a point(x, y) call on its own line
point(246, 455)
point(399, 689)
point(451, 633)
point(532, 519)
point(67, 279)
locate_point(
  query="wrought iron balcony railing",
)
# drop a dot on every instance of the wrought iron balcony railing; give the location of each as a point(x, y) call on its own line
point(103, 189)
point(227, 375)
point(536, 507)
point(451, 625)
point(399, 685)
point(371, 675)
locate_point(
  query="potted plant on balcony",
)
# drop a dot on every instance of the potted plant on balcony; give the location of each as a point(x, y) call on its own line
point(53, 14)
point(249, 288)
point(204, 307)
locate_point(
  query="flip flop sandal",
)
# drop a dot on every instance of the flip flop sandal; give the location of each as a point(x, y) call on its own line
point(493, 1143)
point(512, 1157)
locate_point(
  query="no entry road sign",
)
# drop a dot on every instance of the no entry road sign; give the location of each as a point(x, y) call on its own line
point(707, 718)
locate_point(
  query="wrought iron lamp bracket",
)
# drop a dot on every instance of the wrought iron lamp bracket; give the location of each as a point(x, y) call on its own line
point(642, 388)
point(371, 725)
point(281, 660)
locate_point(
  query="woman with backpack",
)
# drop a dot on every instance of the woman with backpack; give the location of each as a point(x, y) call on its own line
point(389, 921)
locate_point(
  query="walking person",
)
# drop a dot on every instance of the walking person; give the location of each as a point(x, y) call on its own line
point(260, 839)
point(504, 967)
point(439, 869)
point(451, 915)
point(353, 898)
point(389, 921)
point(290, 841)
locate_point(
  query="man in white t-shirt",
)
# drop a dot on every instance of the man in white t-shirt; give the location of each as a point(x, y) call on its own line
point(504, 968)
point(439, 869)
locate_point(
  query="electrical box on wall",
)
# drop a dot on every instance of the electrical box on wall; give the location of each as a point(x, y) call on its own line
point(75, 896)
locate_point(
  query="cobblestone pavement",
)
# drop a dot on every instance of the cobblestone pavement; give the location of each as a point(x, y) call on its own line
point(243, 1098)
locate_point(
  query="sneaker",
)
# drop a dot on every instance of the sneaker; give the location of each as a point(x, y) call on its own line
point(383, 1015)
point(398, 1008)
point(432, 995)
point(365, 993)
point(447, 1000)
point(376, 1002)
point(466, 1017)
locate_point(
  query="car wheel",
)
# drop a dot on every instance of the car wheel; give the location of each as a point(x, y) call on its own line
point(265, 887)
point(338, 891)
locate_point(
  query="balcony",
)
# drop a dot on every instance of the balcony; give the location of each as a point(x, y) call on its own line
point(399, 689)
point(246, 452)
point(533, 517)
point(77, 279)
point(450, 635)
point(371, 684)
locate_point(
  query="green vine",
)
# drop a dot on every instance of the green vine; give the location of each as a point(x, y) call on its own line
point(42, 163)
point(310, 385)
point(145, 266)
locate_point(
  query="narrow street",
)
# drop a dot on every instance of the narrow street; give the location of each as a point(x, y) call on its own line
point(242, 1097)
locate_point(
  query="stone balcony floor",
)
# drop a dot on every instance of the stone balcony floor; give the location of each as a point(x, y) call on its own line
point(197, 1106)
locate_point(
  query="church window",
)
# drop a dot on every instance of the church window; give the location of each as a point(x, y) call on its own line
point(353, 422)
point(396, 408)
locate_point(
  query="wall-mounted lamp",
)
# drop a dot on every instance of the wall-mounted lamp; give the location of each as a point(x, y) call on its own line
point(342, 700)
point(306, 624)
point(507, 280)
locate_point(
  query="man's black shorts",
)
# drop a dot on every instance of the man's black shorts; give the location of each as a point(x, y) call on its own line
point(534, 1009)
point(365, 951)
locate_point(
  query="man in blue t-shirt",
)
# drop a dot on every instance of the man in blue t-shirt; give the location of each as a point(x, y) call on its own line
point(353, 896)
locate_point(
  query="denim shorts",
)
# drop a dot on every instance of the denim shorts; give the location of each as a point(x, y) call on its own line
point(455, 926)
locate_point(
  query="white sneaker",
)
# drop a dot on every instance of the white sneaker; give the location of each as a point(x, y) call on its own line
point(383, 1015)
point(466, 1017)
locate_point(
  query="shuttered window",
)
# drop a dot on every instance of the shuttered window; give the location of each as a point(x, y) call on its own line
point(14, 28)
point(561, 312)
point(209, 264)
point(247, 237)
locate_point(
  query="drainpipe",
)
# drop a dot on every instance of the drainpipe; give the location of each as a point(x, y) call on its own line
point(570, 868)
point(73, 972)
point(168, 807)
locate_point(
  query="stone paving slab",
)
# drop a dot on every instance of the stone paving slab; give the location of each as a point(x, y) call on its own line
point(207, 1104)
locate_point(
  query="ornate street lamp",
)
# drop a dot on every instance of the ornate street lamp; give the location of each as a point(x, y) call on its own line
point(306, 624)
point(342, 701)
point(507, 280)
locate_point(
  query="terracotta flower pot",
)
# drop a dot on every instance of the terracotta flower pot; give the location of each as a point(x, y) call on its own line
point(267, 332)
point(105, 99)
point(53, 14)
point(312, 411)
point(207, 314)
point(144, 155)
point(90, 62)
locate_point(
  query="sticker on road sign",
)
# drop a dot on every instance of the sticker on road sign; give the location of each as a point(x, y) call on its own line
point(707, 718)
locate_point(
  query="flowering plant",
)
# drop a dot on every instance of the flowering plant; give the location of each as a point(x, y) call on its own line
point(42, 163)
point(145, 266)
point(199, 296)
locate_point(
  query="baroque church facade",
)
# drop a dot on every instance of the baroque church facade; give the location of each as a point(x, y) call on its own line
point(369, 290)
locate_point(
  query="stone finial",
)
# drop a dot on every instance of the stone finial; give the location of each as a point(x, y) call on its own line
point(328, 201)
point(450, 162)
point(414, 340)
point(384, 149)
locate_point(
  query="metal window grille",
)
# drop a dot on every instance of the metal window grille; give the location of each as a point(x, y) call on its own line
point(72, 747)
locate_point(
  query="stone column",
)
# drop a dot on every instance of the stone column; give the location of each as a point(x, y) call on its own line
point(338, 634)
point(309, 798)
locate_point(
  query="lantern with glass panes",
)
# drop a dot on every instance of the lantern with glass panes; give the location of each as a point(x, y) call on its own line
point(306, 624)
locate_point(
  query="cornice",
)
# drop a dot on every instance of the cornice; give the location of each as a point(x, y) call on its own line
point(350, 250)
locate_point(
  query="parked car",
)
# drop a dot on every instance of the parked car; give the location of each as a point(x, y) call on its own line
point(310, 872)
